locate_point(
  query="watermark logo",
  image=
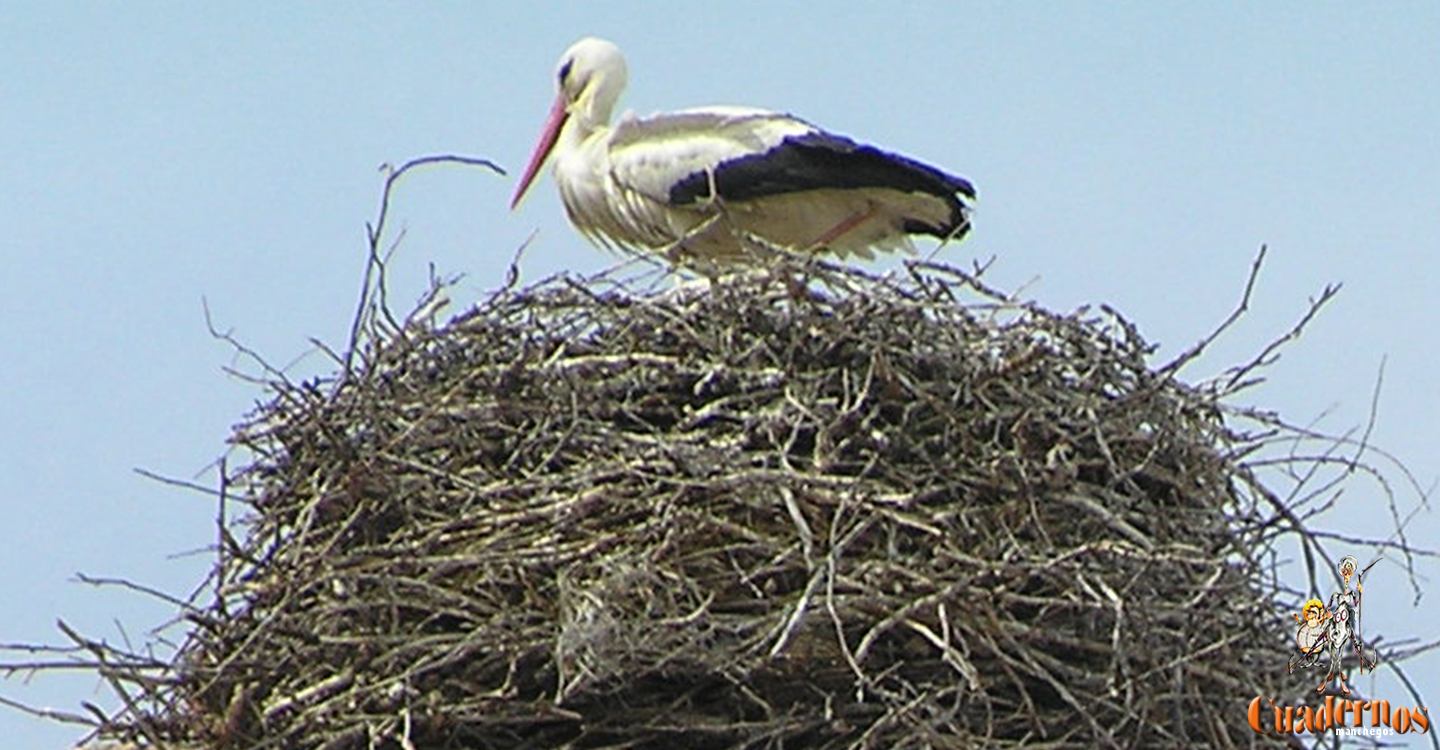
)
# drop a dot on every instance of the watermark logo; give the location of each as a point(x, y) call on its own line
point(1329, 637)
point(1344, 716)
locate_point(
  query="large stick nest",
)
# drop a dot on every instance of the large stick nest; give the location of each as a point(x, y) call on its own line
point(773, 512)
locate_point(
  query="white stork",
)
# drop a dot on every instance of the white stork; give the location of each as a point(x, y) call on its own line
point(702, 183)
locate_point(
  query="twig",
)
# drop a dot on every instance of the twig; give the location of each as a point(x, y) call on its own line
point(1194, 352)
point(374, 266)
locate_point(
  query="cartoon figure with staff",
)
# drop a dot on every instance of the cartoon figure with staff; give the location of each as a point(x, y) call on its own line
point(1333, 628)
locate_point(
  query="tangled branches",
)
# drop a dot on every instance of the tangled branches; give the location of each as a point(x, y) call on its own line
point(780, 511)
point(806, 507)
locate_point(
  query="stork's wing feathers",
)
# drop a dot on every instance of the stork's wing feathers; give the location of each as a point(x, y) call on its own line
point(651, 155)
point(744, 154)
point(820, 160)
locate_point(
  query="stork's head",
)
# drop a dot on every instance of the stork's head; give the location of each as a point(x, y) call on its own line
point(591, 76)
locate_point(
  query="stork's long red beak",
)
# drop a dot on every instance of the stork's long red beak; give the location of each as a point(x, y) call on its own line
point(553, 125)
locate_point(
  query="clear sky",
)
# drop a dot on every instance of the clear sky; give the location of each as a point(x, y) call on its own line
point(156, 154)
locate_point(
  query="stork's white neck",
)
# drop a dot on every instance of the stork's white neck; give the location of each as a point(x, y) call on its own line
point(593, 110)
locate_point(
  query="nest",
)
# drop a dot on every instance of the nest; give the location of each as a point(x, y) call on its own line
point(783, 510)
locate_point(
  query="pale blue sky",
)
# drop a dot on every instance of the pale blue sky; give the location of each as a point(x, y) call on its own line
point(157, 153)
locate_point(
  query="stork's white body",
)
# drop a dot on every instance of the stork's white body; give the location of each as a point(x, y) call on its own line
point(719, 183)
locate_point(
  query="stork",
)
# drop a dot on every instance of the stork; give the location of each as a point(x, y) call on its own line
point(717, 183)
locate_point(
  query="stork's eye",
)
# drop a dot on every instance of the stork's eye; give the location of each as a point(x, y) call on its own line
point(565, 71)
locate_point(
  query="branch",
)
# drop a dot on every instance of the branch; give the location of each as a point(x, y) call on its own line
point(1189, 355)
point(374, 279)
